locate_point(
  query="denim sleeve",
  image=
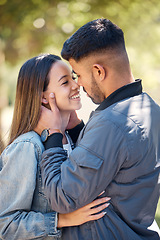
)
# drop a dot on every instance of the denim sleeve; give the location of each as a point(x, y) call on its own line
point(17, 185)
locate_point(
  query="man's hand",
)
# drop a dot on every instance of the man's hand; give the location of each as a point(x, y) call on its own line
point(73, 120)
point(49, 118)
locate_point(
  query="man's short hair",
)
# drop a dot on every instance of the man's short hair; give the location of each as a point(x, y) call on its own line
point(93, 37)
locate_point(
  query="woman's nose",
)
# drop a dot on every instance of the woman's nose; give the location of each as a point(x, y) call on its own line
point(74, 85)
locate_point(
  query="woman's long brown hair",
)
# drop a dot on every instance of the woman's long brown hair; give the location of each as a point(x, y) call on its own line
point(32, 81)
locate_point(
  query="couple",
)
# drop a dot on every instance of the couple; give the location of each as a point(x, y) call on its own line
point(116, 155)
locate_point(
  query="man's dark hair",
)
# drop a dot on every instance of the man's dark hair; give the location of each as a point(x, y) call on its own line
point(94, 36)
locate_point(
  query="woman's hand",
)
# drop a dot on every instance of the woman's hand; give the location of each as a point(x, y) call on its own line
point(87, 213)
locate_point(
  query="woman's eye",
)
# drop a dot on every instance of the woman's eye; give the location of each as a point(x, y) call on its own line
point(65, 82)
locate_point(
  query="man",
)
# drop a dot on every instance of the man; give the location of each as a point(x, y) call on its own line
point(118, 150)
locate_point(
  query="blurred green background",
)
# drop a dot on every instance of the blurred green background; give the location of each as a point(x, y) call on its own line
point(28, 28)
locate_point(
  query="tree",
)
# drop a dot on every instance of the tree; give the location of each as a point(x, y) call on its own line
point(34, 26)
point(30, 27)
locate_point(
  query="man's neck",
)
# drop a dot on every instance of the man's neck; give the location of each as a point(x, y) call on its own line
point(117, 82)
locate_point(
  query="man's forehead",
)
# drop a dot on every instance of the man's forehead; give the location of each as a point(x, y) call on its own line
point(83, 65)
point(73, 64)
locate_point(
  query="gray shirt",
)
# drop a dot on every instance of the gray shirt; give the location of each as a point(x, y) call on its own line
point(117, 151)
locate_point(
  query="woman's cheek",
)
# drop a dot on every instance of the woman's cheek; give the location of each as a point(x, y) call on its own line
point(60, 103)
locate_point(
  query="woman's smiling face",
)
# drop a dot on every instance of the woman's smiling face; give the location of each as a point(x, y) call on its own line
point(62, 84)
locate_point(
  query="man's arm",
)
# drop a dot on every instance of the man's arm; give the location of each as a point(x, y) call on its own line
point(72, 182)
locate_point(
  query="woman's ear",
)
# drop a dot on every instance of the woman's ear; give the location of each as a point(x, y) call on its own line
point(44, 99)
point(99, 72)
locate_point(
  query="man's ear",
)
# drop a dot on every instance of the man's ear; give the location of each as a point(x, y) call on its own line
point(99, 72)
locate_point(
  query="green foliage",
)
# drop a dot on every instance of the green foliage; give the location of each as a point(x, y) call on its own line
point(21, 38)
point(30, 27)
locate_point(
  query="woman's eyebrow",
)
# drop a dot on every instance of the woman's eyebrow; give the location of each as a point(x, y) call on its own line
point(63, 77)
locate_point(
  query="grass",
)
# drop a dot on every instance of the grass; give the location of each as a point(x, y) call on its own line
point(158, 214)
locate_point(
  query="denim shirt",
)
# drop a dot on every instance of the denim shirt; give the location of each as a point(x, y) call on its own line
point(24, 210)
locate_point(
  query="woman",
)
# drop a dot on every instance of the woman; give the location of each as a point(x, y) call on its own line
point(25, 212)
